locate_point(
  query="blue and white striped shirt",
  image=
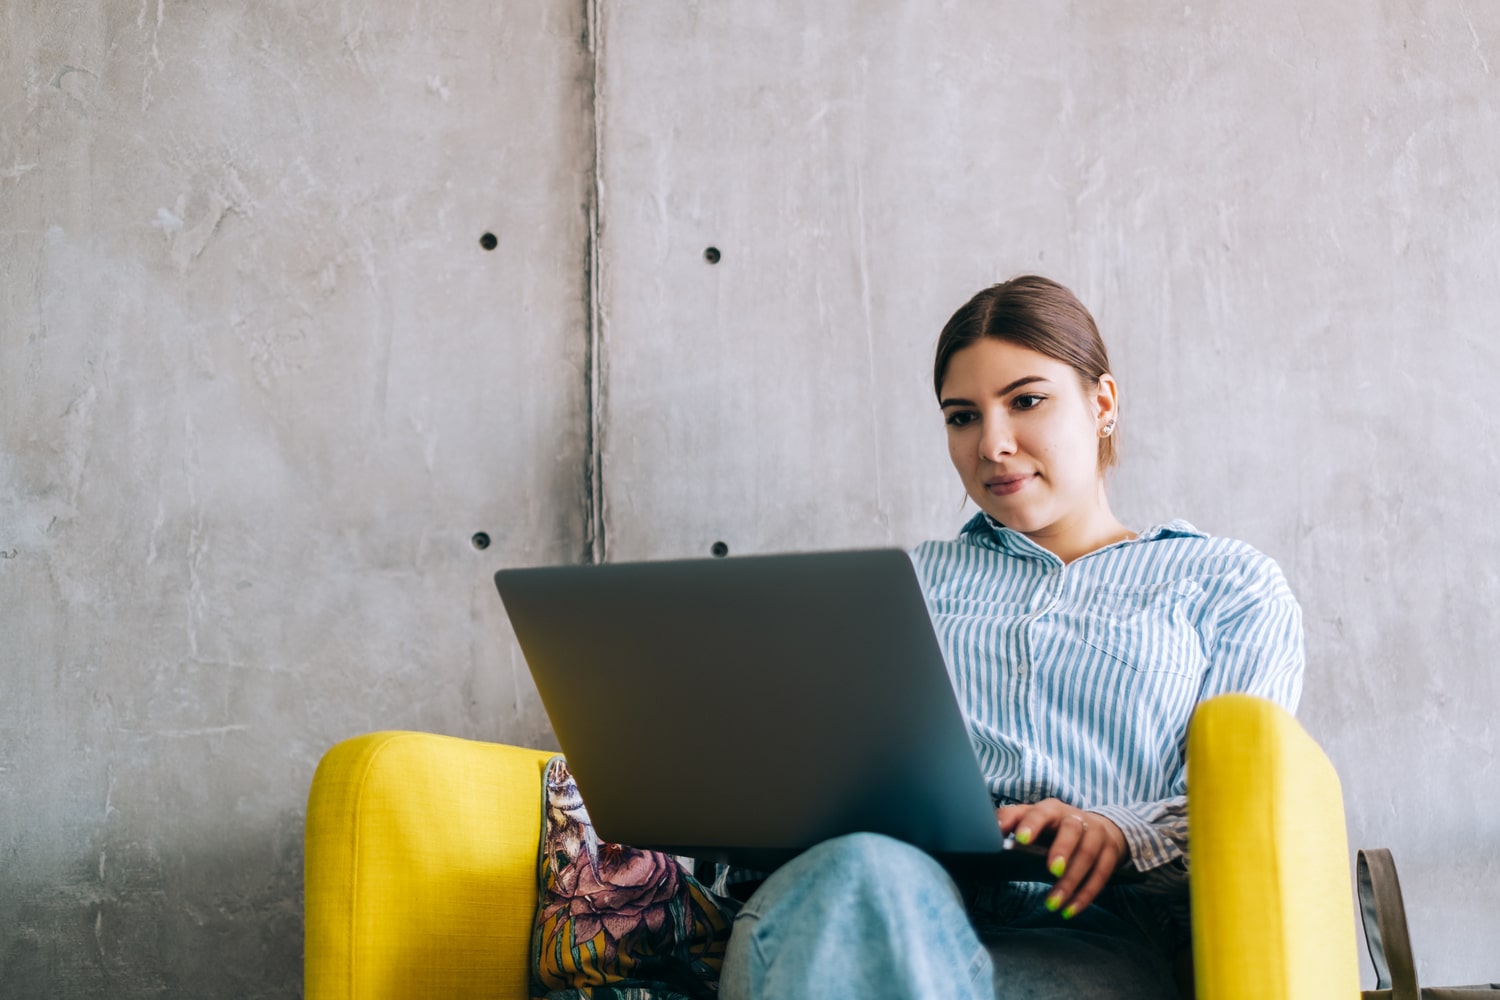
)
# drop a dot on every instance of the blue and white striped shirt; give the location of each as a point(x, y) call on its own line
point(1078, 680)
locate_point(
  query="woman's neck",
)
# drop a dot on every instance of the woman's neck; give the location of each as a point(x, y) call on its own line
point(1089, 531)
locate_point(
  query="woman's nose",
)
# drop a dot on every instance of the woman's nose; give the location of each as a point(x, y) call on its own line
point(996, 442)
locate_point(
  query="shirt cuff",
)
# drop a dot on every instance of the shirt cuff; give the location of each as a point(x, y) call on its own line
point(1155, 832)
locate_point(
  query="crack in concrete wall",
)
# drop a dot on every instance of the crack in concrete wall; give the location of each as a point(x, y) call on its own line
point(594, 517)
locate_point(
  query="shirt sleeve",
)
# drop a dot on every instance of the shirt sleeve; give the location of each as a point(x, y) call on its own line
point(1255, 637)
point(1155, 832)
point(1254, 641)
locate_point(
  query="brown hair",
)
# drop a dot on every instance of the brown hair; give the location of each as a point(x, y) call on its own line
point(1039, 314)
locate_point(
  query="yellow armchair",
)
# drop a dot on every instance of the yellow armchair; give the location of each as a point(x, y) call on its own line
point(421, 864)
point(420, 869)
point(1273, 903)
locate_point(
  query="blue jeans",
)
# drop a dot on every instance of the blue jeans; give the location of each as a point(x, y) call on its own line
point(871, 917)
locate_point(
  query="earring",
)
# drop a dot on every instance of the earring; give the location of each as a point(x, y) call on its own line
point(1108, 429)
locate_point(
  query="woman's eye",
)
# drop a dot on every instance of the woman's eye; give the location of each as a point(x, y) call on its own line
point(1028, 401)
point(961, 418)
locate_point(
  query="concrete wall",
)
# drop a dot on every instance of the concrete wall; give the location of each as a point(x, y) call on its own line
point(260, 383)
point(1287, 221)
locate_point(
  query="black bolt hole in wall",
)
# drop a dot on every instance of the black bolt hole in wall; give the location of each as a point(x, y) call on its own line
point(720, 550)
point(488, 241)
point(480, 541)
point(712, 255)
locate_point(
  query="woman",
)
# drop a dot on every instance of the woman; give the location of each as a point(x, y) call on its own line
point(1078, 648)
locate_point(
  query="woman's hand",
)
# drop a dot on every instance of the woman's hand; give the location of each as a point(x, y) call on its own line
point(1086, 849)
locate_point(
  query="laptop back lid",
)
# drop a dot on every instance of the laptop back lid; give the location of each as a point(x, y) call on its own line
point(745, 709)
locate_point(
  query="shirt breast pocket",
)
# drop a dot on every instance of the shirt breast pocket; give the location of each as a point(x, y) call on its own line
point(1147, 627)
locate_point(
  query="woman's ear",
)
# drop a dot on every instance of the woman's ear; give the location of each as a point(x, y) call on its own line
point(1106, 399)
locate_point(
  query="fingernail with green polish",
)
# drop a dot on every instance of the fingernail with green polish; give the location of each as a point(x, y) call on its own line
point(1057, 867)
point(1024, 835)
point(1070, 913)
point(1053, 902)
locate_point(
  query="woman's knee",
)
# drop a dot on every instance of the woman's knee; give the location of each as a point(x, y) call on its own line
point(872, 855)
point(858, 915)
point(869, 867)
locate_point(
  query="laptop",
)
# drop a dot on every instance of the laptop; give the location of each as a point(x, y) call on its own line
point(745, 709)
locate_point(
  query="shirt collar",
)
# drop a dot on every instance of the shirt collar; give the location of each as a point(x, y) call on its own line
point(985, 530)
point(1175, 528)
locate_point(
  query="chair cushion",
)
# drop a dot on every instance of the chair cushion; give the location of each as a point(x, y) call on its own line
point(615, 921)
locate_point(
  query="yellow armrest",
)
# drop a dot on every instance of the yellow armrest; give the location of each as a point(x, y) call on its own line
point(1273, 915)
point(421, 868)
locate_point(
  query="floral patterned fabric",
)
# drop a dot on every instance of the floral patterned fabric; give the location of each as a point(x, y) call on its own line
point(618, 923)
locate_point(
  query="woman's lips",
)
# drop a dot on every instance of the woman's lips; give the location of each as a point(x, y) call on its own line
point(1004, 486)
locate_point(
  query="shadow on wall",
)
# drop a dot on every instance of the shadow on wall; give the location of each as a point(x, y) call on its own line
point(199, 919)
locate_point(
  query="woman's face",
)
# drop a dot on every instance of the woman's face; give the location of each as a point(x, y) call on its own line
point(1023, 434)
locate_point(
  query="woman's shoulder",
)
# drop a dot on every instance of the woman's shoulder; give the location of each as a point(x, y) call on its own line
point(1178, 547)
point(1196, 544)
